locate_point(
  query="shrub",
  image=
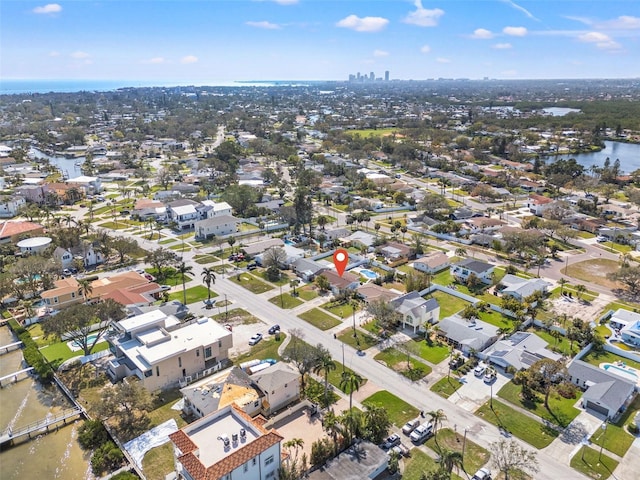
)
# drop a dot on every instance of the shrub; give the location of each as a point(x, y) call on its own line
point(321, 451)
point(107, 457)
point(633, 429)
point(566, 390)
point(92, 434)
point(125, 476)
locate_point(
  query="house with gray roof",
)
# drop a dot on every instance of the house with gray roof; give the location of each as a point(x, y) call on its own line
point(520, 350)
point(280, 385)
point(606, 393)
point(216, 226)
point(416, 311)
point(361, 461)
point(467, 335)
point(627, 325)
point(432, 262)
point(521, 288)
point(462, 270)
point(306, 268)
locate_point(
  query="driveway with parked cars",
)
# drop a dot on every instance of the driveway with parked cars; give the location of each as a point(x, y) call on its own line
point(475, 392)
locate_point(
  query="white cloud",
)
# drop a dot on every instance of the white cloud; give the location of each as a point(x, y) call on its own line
point(155, 60)
point(515, 31)
point(423, 17)
point(364, 24)
point(482, 34)
point(502, 46)
point(54, 53)
point(79, 55)
point(264, 24)
point(48, 8)
point(601, 40)
point(521, 9)
point(623, 22)
point(189, 59)
point(443, 60)
point(425, 49)
point(286, 2)
point(380, 53)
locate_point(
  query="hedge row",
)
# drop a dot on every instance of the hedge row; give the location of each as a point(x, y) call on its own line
point(31, 353)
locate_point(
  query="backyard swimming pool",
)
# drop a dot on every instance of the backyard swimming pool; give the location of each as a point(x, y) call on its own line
point(368, 273)
point(74, 345)
point(625, 372)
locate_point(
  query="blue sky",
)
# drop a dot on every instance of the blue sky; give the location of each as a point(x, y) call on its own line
point(206, 41)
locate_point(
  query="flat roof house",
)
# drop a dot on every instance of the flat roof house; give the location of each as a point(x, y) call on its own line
point(227, 444)
point(627, 325)
point(362, 461)
point(161, 352)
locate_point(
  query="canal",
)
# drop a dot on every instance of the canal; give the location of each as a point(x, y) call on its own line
point(51, 456)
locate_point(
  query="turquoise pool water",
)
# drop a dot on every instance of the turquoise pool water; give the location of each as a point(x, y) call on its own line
point(623, 372)
point(368, 273)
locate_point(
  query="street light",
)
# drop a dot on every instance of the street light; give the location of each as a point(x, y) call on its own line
point(491, 396)
point(585, 442)
point(604, 433)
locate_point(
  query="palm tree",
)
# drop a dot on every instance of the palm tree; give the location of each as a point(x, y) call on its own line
point(562, 282)
point(325, 366)
point(68, 219)
point(580, 290)
point(208, 277)
point(437, 416)
point(183, 269)
point(447, 459)
point(350, 382)
point(85, 288)
point(333, 427)
point(460, 252)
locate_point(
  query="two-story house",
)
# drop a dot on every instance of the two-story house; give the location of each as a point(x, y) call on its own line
point(537, 204)
point(184, 213)
point(416, 311)
point(463, 269)
point(217, 226)
point(160, 351)
point(280, 384)
point(225, 445)
point(64, 294)
point(10, 205)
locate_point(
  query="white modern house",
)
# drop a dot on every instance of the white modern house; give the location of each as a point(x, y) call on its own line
point(9, 206)
point(33, 245)
point(183, 212)
point(161, 351)
point(90, 185)
point(416, 311)
point(216, 226)
point(227, 444)
point(462, 270)
point(521, 288)
point(626, 325)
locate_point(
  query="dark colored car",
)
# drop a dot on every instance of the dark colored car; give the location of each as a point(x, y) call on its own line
point(274, 329)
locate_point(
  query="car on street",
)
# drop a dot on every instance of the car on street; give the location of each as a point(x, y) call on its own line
point(401, 450)
point(479, 370)
point(273, 329)
point(421, 433)
point(391, 441)
point(410, 426)
point(482, 474)
point(601, 239)
point(255, 339)
point(252, 266)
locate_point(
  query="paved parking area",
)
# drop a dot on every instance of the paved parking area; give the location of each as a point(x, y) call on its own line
point(474, 392)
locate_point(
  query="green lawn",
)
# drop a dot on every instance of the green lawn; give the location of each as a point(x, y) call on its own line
point(307, 293)
point(596, 358)
point(319, 319)
point(194, 294)
point(562, 345)
point(361, 340)
point(397, 361)
point(267, 348)
point(445, 387)
point(434, 352)
point(251, 283)
point(58, 353)
point(170, 276)
point(497, 319)
point(167, 240)
point(443, 278)
point(587, 296)
point(235, 315)
point(114, 225)
point(520, 425)
point(205, 259)
point(162, 410)
point(417, 464)
point(448, 303)
point(283, 280)
point(342, 310)
point(592, 464)
point(286, 301)
point(474, 455)
point(336, 375)
point(561, 410)
point(617, 438)
point(400, 412)
point(616, 247)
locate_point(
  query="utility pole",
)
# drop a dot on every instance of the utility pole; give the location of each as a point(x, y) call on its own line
point(226, 308)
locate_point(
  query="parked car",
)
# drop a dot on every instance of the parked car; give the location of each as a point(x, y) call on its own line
point(421, 433)
point(410, 426)
point(601, 239)
point(252, 266)
point(456, 362)
point(255, 339)
point(149, 277)
point(401, 450)
point(479, 370)
point(490, 375)
point(391, 441)
point(275, 328)
point(66, 271)
point(482, 474)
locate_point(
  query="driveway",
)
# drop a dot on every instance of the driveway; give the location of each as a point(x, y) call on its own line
point(474, 392)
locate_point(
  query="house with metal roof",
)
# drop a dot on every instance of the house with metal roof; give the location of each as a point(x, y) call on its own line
point(521, 288)
point(520, 350)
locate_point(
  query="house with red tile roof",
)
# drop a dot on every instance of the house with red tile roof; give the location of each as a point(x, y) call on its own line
point(537, 204)
point(227, 444)
point(13, 231)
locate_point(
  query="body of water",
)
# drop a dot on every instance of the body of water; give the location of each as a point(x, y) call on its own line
point(68, 166)
point(560, 111)
point(627, 153)
point(56, 455)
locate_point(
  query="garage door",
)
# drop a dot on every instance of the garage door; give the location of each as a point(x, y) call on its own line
point(598, 408)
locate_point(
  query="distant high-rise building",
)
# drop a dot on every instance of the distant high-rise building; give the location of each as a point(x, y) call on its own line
point(358, 77)
point(386, 76)
point(352, 77)
point(372, 76)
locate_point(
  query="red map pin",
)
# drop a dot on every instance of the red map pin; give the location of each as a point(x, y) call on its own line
point(340, 260)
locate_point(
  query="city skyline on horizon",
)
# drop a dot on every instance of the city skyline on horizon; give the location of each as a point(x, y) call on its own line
point(199, 42)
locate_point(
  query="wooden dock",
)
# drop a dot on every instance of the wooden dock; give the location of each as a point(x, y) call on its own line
point(40, 427)
point(10, 347)
point(15, 376)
